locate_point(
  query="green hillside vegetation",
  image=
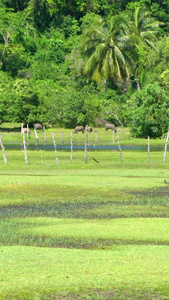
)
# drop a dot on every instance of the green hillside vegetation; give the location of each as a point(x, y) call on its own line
point(68, 63)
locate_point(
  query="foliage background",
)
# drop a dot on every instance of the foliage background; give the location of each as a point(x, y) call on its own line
point(42, 73)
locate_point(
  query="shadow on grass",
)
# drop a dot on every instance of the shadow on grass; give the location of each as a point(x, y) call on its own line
point(16, 233)
point(115, 294)
point(144, 205)
point(152, 204)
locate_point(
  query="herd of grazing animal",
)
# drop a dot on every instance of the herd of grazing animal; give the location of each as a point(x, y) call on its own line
point(90, 129)
point(82, 129)
point(36, 126)
point(76, 130)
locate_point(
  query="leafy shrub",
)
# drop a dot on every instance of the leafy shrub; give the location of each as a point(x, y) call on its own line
point(150, 117)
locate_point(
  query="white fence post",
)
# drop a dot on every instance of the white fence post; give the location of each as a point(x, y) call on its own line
point(21, 128)
point(44, 135)
point(119, 147)
point(166, 144)
point(62, 137)
point(3, 150)
point(86, 144)
point(25, 150)
point(113, 135)
point(54, 143)
point(36, 134)
point(71, 146)
point(27, 131)
point(95, 137)
point(148, 148)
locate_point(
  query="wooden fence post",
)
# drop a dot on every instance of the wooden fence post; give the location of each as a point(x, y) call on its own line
point(86, 144)
point(27, 130)
point(95, 137)
point(166, 144)
point(21, 128)
point(62, 138)
point(119, 147)
point(3, 150)
point(25, 150)
point(54, 143)
point(71, 146)
point(113, 135)
point(36, 135)
point(44, 135)
point(148, 149)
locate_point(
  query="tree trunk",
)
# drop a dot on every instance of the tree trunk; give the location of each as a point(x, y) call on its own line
point(138, 84)
point(6, 41)
point(106, 85)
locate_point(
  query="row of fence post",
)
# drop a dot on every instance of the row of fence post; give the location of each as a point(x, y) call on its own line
point(55, 147)
point(85, 147)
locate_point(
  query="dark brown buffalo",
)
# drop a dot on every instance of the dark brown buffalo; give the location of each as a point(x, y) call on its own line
point(79, 128)
point(38, 126)
point(110, 126)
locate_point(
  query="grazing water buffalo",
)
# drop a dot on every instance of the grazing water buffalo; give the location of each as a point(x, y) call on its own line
point(110, 126)
point(79, 128)
point(89, 128)
point(26, 130)
point(38, 126)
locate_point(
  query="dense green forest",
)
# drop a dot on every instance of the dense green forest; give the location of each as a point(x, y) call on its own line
point(69, 62)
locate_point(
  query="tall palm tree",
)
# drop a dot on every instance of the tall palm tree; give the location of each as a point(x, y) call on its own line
point(143, 34)
point(104, 50)
point(143, 27)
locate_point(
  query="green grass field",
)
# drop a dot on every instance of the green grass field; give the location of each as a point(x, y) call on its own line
point(77, 230)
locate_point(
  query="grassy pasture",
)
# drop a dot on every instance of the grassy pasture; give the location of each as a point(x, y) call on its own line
point(62, 135)
point(84, 230)
point(124, 272)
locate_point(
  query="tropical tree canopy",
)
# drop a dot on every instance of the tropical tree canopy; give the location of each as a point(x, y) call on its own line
point(57, 58)
point(144, 29)
point(105, 50)
point(143, 34)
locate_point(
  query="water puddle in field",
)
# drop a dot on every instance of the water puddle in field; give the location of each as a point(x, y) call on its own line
point(91, 146)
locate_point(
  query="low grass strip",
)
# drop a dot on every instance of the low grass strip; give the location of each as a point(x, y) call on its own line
point(127, 272)
point(82, 233)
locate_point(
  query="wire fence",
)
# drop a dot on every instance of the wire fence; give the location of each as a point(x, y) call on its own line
point(73, 142)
